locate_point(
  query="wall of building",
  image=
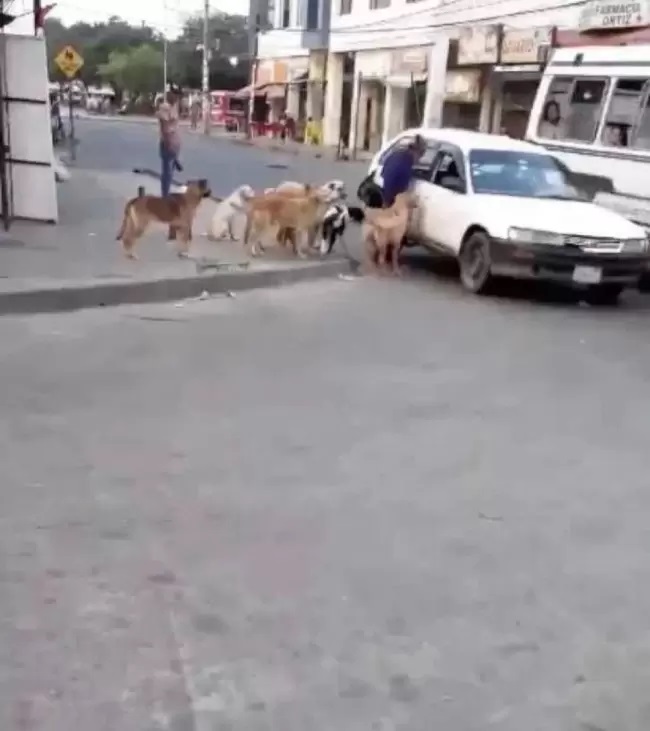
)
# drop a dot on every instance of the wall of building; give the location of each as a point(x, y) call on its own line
point(433, 24)
point(417, 23)
point(308, 29)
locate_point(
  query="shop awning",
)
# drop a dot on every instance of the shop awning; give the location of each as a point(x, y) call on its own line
point(245, 92)
point(302, 79)
point(531, 70)
point(273, 91)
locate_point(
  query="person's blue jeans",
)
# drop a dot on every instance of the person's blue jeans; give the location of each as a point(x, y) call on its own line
point(168, 164)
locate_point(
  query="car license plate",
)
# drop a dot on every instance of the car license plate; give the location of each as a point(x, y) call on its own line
point(587, 275)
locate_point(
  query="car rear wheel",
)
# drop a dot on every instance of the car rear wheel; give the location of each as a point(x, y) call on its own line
point(603, 295)
point(475, 263)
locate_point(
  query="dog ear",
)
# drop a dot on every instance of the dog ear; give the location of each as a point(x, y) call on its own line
point(308, 188)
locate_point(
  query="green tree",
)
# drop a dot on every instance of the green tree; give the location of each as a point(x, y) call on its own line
point(228, 39)
point(137, 70)
point(98, 42)
point(95, 43)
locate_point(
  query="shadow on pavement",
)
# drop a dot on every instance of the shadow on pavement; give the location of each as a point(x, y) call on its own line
point(445, 270)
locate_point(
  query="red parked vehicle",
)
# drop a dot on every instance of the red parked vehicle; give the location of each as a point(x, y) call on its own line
point(228, 111)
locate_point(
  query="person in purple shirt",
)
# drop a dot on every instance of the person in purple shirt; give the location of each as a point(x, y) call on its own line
point(397, 170)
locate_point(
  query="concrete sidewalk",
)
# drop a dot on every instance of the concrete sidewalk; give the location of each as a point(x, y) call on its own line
point(78, 263)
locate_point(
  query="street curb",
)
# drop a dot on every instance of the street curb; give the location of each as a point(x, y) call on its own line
point(70, 297)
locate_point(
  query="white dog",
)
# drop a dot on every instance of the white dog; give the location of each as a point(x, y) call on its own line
point(227, 211)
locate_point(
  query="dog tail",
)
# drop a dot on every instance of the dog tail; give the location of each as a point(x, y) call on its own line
point(357, 214)
point(129, 216)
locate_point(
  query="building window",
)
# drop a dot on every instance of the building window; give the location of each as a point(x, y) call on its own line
point(285, 20)
point(345, 7)
point(572, 109)
point(378, 4)
point(312, 14)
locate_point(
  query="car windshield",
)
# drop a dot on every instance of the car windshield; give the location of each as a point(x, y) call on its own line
point(525, 174)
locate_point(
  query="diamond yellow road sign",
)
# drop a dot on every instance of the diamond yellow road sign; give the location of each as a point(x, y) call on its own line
point(69, 61)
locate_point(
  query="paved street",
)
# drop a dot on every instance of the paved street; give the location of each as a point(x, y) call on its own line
point(121, 146)
point(346, 505)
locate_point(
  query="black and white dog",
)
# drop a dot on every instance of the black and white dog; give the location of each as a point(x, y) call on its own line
point(334, 223)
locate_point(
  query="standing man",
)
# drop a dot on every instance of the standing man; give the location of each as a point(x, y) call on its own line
point(170, 140)
point(397, 170)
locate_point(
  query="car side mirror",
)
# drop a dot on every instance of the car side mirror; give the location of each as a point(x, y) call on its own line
point(451, 182)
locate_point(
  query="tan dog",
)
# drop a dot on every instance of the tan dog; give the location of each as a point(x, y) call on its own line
point(176, 211)
point(270, 213)
point(332, 191)
point(287, 236)
point(383, 231)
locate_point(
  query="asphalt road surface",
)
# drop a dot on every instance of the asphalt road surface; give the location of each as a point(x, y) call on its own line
point(353, 505)
point(117, 145)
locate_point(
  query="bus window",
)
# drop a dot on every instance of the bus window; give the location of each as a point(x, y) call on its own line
point(585, 108)
point(642, 137)
point(554, 113)
point(622, 112)
point(572, 109)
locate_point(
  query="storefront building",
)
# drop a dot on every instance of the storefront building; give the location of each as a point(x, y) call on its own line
point(271, 88)
point(481, 64)
point(290, 59)
point(371, 69)
point(602, 23)
point(406, 88)
point(389, 93)
point(517, 76)
point(376, 74)
point(469, 100)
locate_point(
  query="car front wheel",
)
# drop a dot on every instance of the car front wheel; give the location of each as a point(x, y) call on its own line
point(475, 263)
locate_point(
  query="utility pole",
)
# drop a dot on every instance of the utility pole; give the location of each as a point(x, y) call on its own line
point(206, 68)
point(165, 50)
point(254, 65)
point(165, 66)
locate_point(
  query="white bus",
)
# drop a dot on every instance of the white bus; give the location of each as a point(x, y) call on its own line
point(592, 112)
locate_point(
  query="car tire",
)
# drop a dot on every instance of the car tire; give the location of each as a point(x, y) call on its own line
point(603, 295)
point(475, 263)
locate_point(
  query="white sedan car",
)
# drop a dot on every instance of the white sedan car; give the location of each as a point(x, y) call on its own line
point(504, 207)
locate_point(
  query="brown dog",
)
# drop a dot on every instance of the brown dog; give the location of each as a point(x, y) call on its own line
point(286, 236)
point(383, 231)
point(176, 211)
point(273, 212)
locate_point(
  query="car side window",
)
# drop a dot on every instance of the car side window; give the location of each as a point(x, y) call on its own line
point(424, 165)
point(447, 166)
